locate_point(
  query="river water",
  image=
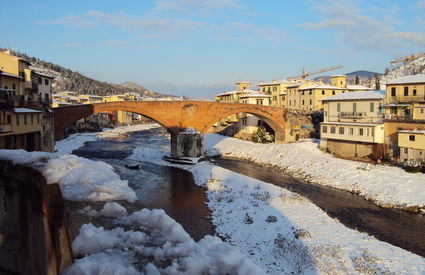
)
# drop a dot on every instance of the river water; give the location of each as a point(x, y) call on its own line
point(174, 190)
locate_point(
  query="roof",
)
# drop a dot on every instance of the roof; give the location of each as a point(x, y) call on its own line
point(25, 110)
point(356, 96)
point(249, 91)
point(396, 105)
point(417, 78)
point(419, 106)
point(276, 82)
point(44, 75)
point(412, 131)
point(322, 86)
point(254, 95)
point(358, 87)
point(338, 75)
point(7, 90)
point(10, 75)
point(351, 123)
point(243, 82)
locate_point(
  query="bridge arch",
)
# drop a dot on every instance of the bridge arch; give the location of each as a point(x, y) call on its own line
point(175, 116)
point(278, 128)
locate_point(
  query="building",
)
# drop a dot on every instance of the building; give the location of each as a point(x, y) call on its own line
point(276, 89)
point(412, 145)
point(309, 97)
point(353, 125)
point(404, 113)
point(241, 125)
point(26, 119)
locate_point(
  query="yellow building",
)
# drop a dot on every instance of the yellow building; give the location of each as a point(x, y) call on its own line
point(276, 89)
point(310, 96)
point(26, 121)
point(412, 145)
point(403, 94)
point(353, 125)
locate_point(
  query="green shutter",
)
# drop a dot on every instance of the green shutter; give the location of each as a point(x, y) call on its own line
point(372, 107)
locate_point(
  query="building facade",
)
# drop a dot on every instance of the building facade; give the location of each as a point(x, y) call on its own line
point(353, 125)
point(26, 118)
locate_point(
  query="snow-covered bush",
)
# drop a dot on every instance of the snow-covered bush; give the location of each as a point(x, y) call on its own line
point(262, 136)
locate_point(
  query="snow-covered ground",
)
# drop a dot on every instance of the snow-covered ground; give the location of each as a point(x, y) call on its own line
point(278, 230)
point(285, 233)
point(385, 185)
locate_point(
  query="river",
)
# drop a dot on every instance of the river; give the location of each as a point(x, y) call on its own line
point(174, 190)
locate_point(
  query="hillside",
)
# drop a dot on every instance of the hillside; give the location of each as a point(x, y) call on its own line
point(416, 66)
point(364, 77)
point(68, 80)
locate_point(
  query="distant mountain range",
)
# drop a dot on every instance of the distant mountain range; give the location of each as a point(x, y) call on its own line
point(364, 77)
point(68, 80)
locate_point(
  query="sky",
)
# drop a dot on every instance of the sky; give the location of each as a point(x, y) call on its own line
point(200, 48)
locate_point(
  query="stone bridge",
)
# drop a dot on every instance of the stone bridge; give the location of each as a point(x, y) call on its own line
point(176, 116)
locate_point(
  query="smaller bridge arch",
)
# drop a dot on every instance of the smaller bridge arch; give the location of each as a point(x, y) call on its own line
point(176, 115)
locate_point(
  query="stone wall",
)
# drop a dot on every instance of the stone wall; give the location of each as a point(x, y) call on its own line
point(33, 238)
point(354, 150)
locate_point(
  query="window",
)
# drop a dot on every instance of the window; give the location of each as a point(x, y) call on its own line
point(351, 131)
point(414, 92)
point(405, 150)
point(341, 130)
point(46, 82)
point(354, 107)
point(367, 132)
point(422, 111)
point(361, 131)
point(17, 119)
point(372, 107)
point(25, 119)
point(264, 89)
point(303, 101)
point(14, 86)
point(324, 129)
point(32, 118)
point(40, 81)
point(411, 137)
point(406, 91)
point(371, 132)
point(46, 97)
point(38, 119)
point(338, 107)
point(323, 92)
point(309, 92)
point(312, 102)
point(332, 130)
point(333, 92)
point(392, 91)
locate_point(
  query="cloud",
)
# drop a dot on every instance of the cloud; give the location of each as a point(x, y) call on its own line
point(92, 19)
point(353, 27)
point(188, 5)
point(420, 5)
point(248, 31)
point(106, 44)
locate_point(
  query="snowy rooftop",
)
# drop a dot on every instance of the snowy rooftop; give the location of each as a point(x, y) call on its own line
point(43, 75)
point(246, 91)
point(322, 86)
point(358, 87)
point(11, 75)
point(254, 95)
point(276, 82)
point(356, 96)
point(25, 110)
point(338, 75)
point(351, 123)
point(418, 131)
point(418, 78)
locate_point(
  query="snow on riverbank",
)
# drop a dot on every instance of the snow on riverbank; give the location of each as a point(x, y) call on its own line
point(284, 232)
point(386, 185)
point(77, 140)
point(79, 179)
point(153, 243)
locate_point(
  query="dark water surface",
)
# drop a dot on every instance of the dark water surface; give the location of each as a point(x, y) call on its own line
point(397, 227)
point(171, 189)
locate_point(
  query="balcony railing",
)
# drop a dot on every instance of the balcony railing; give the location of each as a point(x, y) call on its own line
point(19, 101)
point(405, 99)
point(398, 117)
point(351, 115)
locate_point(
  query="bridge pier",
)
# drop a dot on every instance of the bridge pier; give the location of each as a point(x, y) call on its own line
point(187, 143)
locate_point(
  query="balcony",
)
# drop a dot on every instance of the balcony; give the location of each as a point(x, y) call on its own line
point(18, 101)
point(351, 115)
point(398, 117)
point(405, 99)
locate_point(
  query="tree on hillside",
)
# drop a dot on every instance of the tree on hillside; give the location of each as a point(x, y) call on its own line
point(387, 71)
point(377, 82)
point(357, 82)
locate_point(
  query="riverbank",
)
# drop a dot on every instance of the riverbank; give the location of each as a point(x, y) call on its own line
point(285, 233)
point(386, 186)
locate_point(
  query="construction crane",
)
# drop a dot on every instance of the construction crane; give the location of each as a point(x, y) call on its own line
point(304, 75)
point(407, 58)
